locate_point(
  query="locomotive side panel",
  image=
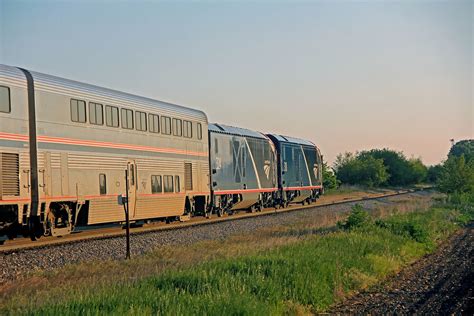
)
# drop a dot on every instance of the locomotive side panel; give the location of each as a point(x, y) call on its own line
point(242, 168)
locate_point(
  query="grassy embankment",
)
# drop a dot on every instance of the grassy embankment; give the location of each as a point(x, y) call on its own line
point(293, 270)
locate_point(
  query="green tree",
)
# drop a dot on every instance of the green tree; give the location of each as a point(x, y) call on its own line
point(330, 180)
point(398, 167)
point(463, 147)
point(364, 170)
point(418, 171)
point(434, 173)
point(457, 175)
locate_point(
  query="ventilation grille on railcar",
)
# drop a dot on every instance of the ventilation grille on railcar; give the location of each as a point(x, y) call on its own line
point(9, 169)
point(188, 176)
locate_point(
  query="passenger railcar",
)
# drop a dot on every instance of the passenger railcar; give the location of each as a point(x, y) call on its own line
point(299, 165)
point(243, 169)
point(64, 146)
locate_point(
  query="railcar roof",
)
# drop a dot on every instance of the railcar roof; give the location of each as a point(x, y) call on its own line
point(231, 130)
point(289, 139)
point(62, 85)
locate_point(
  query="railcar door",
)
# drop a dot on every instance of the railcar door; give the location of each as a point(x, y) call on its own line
point(132, 187)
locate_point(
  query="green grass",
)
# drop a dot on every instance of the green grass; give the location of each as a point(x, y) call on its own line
point(307, 276)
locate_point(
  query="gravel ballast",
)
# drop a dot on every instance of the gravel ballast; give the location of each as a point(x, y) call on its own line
point(439, 284)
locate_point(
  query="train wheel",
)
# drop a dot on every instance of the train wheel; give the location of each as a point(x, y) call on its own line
point(58, 221)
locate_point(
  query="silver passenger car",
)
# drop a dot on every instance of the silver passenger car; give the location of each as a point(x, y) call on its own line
point(65, 146)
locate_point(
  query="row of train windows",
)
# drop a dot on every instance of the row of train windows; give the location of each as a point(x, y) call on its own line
point(170, 184)
point(168, 126)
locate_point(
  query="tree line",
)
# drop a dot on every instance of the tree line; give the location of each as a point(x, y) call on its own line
point(386, 167)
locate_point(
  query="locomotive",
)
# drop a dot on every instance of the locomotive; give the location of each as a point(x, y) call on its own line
point(65, 147)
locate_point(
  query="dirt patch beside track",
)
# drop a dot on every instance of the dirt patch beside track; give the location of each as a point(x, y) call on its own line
point(439, 284)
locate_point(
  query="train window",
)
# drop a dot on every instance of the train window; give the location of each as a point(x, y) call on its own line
point(188, 129)
point(177, 127)
point(177, 184)
point(168, 184)
point(199, 130)
point(102, 184)
point(153, 123)
point(140, 121)
point(166, 125)
point(111, 116)
point(96, 113)
point(78, 111)
point(156, 185)
point(127, 118)
point(5, 103)
point(216, 147)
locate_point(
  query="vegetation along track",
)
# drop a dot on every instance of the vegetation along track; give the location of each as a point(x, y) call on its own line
point(106, 246)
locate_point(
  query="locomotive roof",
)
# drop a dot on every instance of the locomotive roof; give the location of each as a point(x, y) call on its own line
point(289, 139)
point(114, 97)
point(231, 130)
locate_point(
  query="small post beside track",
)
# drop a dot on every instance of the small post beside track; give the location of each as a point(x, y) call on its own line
point(123, 200)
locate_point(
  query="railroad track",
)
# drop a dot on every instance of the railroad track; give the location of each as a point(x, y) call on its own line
point(13, 246)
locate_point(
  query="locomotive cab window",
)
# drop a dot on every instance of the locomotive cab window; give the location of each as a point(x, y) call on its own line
point(127, 119)
point(96, 113)
point(5, 103)
point(103, 184)
point(78, 111)
point(111, 116)
point(153, 123)
point(156, 185)
point(140, 121)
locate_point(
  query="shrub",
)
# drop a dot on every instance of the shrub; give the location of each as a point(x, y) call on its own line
point(403, 227)
point(330, 180)
point(357, 218)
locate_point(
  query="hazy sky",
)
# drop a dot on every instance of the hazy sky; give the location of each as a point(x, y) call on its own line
point(346, 75)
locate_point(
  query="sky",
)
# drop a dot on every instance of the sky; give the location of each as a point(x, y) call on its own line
point(347, 75)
